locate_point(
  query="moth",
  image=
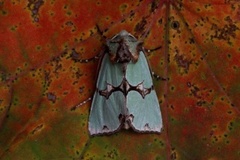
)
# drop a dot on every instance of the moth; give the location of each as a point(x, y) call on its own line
point(124, 95)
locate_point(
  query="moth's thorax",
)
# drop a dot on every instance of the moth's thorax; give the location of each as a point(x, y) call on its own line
point(123, 55)
point(123, 48)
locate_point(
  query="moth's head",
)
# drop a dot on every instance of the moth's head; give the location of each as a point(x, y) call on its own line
point(124, 48)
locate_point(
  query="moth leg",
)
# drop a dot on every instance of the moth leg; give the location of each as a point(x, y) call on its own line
point(80, 104)
point(153, 49)
point(157, 77)
point(104, 38)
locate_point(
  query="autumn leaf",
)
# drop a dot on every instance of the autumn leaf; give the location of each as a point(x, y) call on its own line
point(194, 44)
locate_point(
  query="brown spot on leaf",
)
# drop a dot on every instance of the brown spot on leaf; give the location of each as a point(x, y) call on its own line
point(189, 84)
point(51, 97)
point(175, 25)
point(78, 73)
point(200, 103)
point(69, 23)
point(226, 32)
point(202, 95)
point(81, 89)
point(154, 6)
point(182, 62)
point(140, 27)
point(195, 91)
point(34, 6)
point(74, 54)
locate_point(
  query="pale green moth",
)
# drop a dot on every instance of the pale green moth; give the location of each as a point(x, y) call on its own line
point(124, 96)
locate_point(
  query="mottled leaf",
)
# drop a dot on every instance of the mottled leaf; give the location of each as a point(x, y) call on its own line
point(193, 44)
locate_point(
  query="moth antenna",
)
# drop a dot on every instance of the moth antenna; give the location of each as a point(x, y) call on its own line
point(80, 104)
point(75, 56)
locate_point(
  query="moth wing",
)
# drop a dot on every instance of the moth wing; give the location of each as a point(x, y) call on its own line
point(146, 116)
point(109, 72)
point(104, 113)
point(145, 111)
